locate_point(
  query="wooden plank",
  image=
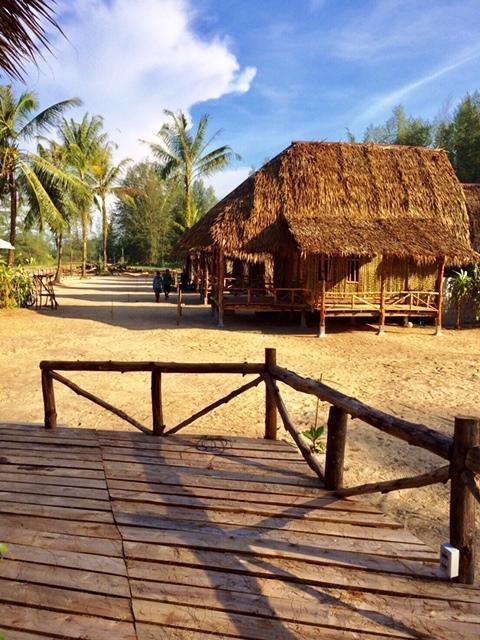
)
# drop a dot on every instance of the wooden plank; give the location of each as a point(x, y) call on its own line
point(79, 579)
point(64, 513)
point(68, 542)
point(14, 634)
point(68, 600)
point(54, 501)
point(325, 499)
point(38, 523)
point(402, 617)
point(319, 613)
point(43, 471)
point(69, 559)
point(236, 506)
point(69, 625)
point(305, 547)
point(235, 625)
point(249, 575)
point(53, 490)
point(150, 515)
point(172, 452)
point(303, 568)
point(150, 472)
point(188, 477)
point(256, 466)
point(192, 441)
point(154, 632)
point(40, 431)
point(51, 453)
point(54, 477)
point(41, 461)
point(51, 441)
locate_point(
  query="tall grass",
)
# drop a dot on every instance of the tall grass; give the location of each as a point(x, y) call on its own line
point(16, 287)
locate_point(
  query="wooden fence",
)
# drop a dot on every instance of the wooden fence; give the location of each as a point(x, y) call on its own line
point(462, 451)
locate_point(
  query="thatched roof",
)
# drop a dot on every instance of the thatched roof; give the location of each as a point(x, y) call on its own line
point(472, 197)
point(343, 199)
point(23, 32)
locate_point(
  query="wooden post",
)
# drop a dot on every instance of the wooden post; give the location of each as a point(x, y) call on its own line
point(205, 278)
point(49, 400)
point(462, 502)
point(336, 441)
point(220, 284)
point(439, 290)
point(179, 302)
point(270, 406)
point(381, 323)
point(157, 411)
point(323, 311)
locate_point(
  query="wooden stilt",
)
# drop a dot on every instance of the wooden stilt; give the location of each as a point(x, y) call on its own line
point(381, 323)
point(270, 406)
point(323, 311)
point(221, 275)
point(157, 410)
point(439, 290)
point(49, 400)
point(462, 502)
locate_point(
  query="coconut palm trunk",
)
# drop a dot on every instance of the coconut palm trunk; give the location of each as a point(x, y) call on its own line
point(104, 231)
point(12, 188)
point(59, 271)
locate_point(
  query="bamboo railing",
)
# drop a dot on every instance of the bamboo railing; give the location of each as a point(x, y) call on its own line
point(462, 451)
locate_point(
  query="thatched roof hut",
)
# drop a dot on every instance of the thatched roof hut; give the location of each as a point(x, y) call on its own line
point(343, 199)
point(472, 197)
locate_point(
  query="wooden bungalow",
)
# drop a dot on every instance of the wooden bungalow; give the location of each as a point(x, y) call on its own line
point(336, 228)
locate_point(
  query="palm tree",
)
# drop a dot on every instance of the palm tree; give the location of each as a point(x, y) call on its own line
point(62, 197)
point(105, 176)
point(23, 25)
point(18, 125)
point(185, 155)
point(83, 142)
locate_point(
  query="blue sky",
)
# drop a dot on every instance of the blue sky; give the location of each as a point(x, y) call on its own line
point(267, 71)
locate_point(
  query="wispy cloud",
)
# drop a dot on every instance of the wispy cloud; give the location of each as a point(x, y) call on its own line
point(130, 60)
point(381, 103)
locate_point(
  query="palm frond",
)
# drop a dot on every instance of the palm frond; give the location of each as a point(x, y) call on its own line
point(47, 118)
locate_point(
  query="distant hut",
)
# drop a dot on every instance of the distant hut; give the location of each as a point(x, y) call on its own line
point(337, 228)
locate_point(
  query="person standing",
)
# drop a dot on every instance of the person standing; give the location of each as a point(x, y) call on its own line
point(157, 285)
point(167, 282)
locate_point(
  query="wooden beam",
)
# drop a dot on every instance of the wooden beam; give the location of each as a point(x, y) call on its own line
point(157, 410)
point(89, 396)
point(415, 434)
point(336, 441)
point(469, 478)
point(49, 400)
point(304, 448)
point(214, 405)
point(472, 461)
point(439, 290)
point(381, 322)
point(270, 406)
point(220, 284)
point(462, 501)
point(432, 477)
point(323, 310)
point(165, 367)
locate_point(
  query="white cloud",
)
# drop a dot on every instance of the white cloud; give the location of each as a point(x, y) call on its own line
point(225, 181)
point(384, 102)
point(130, 60)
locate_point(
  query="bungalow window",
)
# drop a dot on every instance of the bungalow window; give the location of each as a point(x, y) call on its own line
point(353, 269)
point(325, 268)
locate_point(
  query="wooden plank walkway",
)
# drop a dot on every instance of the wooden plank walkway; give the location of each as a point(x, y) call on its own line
point(117, 535)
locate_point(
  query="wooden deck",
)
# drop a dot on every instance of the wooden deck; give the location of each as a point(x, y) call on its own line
point(122, 536)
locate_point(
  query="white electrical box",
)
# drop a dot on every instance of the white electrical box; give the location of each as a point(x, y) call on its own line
point(449, 559)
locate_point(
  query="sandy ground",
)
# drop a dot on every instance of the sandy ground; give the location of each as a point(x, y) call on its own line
point(407, 372)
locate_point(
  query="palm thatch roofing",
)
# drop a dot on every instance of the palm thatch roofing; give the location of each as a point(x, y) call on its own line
point(23, 32)
point(472, 197)
point(343, 199)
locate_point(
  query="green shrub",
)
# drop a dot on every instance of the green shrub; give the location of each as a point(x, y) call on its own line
point(16, 287)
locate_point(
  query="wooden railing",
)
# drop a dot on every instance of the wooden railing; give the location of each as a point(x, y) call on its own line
point(403, 300)
point(462, 451)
